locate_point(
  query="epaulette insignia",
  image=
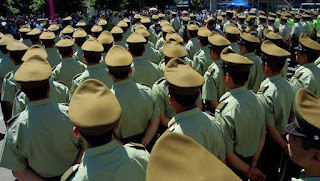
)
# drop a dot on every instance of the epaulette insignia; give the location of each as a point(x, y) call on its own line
point(8, 74)
point(211, 70)
point(171, 126)
point(221, 105)
point(11, 120)
point(160, 80)
point(53, 68)
point(297, 75)
point(198, 52)
point(62, 83)
point(64, 103)
point(76, 76)
point(145, 84)
point(18, 92)
point(69, 172)
point(263, 89)
point(136, 145)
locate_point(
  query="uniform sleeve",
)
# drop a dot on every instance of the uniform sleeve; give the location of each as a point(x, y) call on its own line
point(158, 99)
point(8, 91)
point(11, 157)
point(267, 104)
point(136, 169)
point(227, 125)
point(218, 148)
point(156, 109)
point(198, 65)
point(298, 83)
point(210, 88)
point(19, 104)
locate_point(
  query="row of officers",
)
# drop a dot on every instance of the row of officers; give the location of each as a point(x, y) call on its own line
point(118, 96)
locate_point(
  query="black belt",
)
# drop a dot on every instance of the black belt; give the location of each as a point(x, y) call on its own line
point(135, 139)
point(57, 178)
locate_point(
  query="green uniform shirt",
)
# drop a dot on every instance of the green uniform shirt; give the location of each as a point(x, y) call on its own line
point(126, 34)
point(307, 76)
point(213, 87)
point(153, 36)
point(9, 86)
point(256, 75)
point(160, 43)
point(241, 116)
point(144, 71)
point(121, 43)
point(97, 71)
point(58, 93)
point(78, 55)
point(6, 65)
point(260, 29)
point(27, 42)
point(201, 127)
point(151, 54)
point(54, 57)
point(112, 161)
point(175, 24)
point(202, 60)
point(317, 62)
point(45, 143)
point(134, 117)
point(235, 47)
point(57, 38)
point(66, 70)
point(192, 47)
point(276, 95)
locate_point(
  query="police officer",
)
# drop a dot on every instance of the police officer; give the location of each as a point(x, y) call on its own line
point(229, 19)
point(284, 31)
point(126, 31)
point(106, 39)
point(34, 36)
point(303, 135)
point(47, 39)
point(23, 35)
point(69, 67)
point(308, 74)
point(117, 34)
point(192, 46)
point(150, 53)
point(241, 116)
point(173, 149)
point(213, 88)
point(183, 29)
point(175, 23)
point(96, 30)
point(189, 119)
point(233, 35)
point(36, 154)
point(95, 113)
point(103, 23)
point(153, 36)
point(276, 95)
point(56, 30)
point(164, 30)
point(262, 25)
point(80, 36)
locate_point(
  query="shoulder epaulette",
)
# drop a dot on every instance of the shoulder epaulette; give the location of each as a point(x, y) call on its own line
point(263, 89)
point(160, 80)
point(145, 84)
point(297, 74)
point(53, 68)
point(69, 172)
point(18, 92)
point(11, 120)
point(198, 52)
point(221, 106)
point(8, 74)
point(62, 83)
point(136, 145)
point(76, 76)
point(64, 103)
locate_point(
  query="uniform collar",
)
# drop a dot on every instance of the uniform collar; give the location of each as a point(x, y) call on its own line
point(89, 67)
point(275, 77)
point(238, 90)
point(184, 114)
point(119, 83)
point(205, 48)
point(309, 65)
point(138, 58)
point(89, 152)
point(67, 59)
point(39, 103)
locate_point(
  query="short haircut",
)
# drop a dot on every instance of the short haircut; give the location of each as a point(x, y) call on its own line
point(204, 40)
point(4, 49)
point(119, 72)
point(24, 35)
point(92, 57)
point(239, 78)
point(117, 37)
point(17, 56)
point(167, 59)
point(34, 38)
point(124, 29)
point(251, 47)
point(311, 54)
point(80, 41)
point(216, 49)
point(36, 93)
point(47, 43)
point(193, 33)
point(65, 51)
point(107, 47)
point(135, 49)
point(184, 100)
point(232, 37)
point(97, 140)
point(276, 64)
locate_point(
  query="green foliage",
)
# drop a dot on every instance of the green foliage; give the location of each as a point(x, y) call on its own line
point(108, 4)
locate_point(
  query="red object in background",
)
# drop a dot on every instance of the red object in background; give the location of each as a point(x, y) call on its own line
point(51, 7)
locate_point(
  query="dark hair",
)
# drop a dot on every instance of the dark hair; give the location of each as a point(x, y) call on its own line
point(251, 47)
point(57, 32)
point(239, 78)
point(4, 49)
point(36, 93)
point(124, 29)
point(119, 72)
point(96, 34)
point(24, 35)
point(193, 33)
point(167, 59)
point(309, 144)
point(107, 47)
point(34, 38)
point(311, 54)
point(204, 40)
point(117, 37)
point(47, 43)
point(65, 51)
point(92, 57)
point(80, 41)
point(184, 100)
point(17, 56)
point(136, 50)
point(274, 64)
point(216, 49)
point(97, 140)
point(232, 38)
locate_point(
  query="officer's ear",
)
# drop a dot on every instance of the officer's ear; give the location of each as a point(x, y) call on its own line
point(316, 157)
point(130, 70)
point(172, 101)
point(84, 58)
point(76, 132)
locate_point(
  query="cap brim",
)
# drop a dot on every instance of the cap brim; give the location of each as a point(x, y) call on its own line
point(292, 130)
point(298, 48)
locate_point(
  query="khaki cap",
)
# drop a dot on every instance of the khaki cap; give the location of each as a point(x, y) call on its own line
point(184, 12)
point(249, 38)
point(96, 28)
point(251, 18)
point(136, 38)
point(54, 27)
point(318, 34)
point(307, 124)
point(24, 29)
point(168, 161)
point(105, 37)
point(1, 35)
point(68, 18)
point(262, 17)
point(220, 18)
point(64, 42)
point(145, 20)
point(232, 29)
point(164, 23)
point(241, 17)
point(173, 49)
point(35, 50)
point(185, 18)
point(284, 18)
point(6, 39)
point(116, 30)
point(79, 33)
point(218, 40)
point(118, 56)
point(126, 20)
point(297, 16)
point(137, 16)
point(192, 27)
point(92, 45)
point(155, 17)
point(34, 70)
point(122, 24)
point(161, 15)
point(235, 61)
point(183, 79)
point(93, 108)
point(139, 26)
point(143, 32)
point(270, 48)
point(81, 23)
point(34, 31)
point(174, 36)
point(167, 29)
point(47, 35)
point(204, 32)
point(192, 15)
point(67, 30)
point(15, 45)
point(102, 22)
point(308, 42)
point(271, 18)
point(261, 12)
point(173, 12)
point(223, 13)
point(271, 35)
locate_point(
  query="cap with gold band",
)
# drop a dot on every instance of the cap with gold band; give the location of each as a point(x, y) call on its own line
point(24, 29)
point(34, 31)
point(178, 157)
point(105, 37)
point(47, 35)
point(6, 39)
point(15, 45)
point(143, 32)
point(116, 30)
point(93, 108)
point(118, 56)
point(54, 27)
point(81, 23)
point(102, 22)
point(232, 29)
point(96, 28)
point(64, 42)
point(271, 49)
point(122, 24)
point(67, 30)
point(235, 62)
point(271, 35)
point(307, 124)
point(174, 36)
point(35, 50)
point(218, 40)
point(173, 49)
point(204, 32)
point(80, 33)
point(182, 78)
point(136, 38)
point(92, 45)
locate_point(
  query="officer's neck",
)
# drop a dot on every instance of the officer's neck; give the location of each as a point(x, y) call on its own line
point(179, 108)
point(313, 171)
point(119, 80)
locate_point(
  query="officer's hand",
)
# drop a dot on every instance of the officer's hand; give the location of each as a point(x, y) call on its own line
point(257, 175)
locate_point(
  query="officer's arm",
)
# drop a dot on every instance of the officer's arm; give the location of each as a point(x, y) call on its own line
point(276, 137)
point(164, 119)
point(150, 131)
point(257, 154)
point(26, 174)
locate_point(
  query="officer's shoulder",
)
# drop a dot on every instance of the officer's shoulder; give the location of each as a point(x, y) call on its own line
point(198, 52)
point(136, 146)
point(263, 89)
point(18, 92)
point(76, 76)
point(8, 75)
point(161, 80)
point(71, 171)
point(12, 120)
point(210, 70)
